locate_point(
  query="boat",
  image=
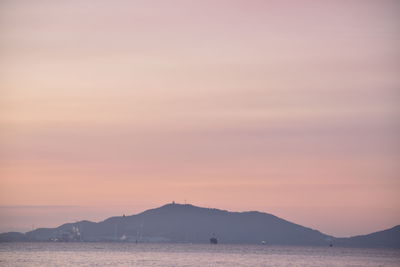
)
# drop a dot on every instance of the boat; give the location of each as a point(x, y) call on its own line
point(213, 240)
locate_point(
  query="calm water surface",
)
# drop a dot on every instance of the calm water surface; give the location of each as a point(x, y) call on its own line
point(127, 254)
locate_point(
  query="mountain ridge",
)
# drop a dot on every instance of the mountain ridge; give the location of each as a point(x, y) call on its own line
point(186, 223)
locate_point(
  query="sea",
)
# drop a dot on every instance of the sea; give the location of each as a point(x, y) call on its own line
point(149, 254)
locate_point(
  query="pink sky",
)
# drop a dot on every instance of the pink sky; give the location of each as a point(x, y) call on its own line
point(287, 107)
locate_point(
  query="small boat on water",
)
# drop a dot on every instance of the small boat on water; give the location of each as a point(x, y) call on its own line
point(213, 240)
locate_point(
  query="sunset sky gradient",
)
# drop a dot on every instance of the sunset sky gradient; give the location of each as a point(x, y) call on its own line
point(286, 107)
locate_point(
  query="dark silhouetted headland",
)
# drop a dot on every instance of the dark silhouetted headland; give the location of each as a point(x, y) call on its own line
point(190, 224)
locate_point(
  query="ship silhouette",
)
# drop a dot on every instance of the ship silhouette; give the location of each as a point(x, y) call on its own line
point(213, 240)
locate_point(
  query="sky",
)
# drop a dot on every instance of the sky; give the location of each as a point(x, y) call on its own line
point(115, 107)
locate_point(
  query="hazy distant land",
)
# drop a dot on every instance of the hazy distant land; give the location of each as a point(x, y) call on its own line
point(185, 223)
